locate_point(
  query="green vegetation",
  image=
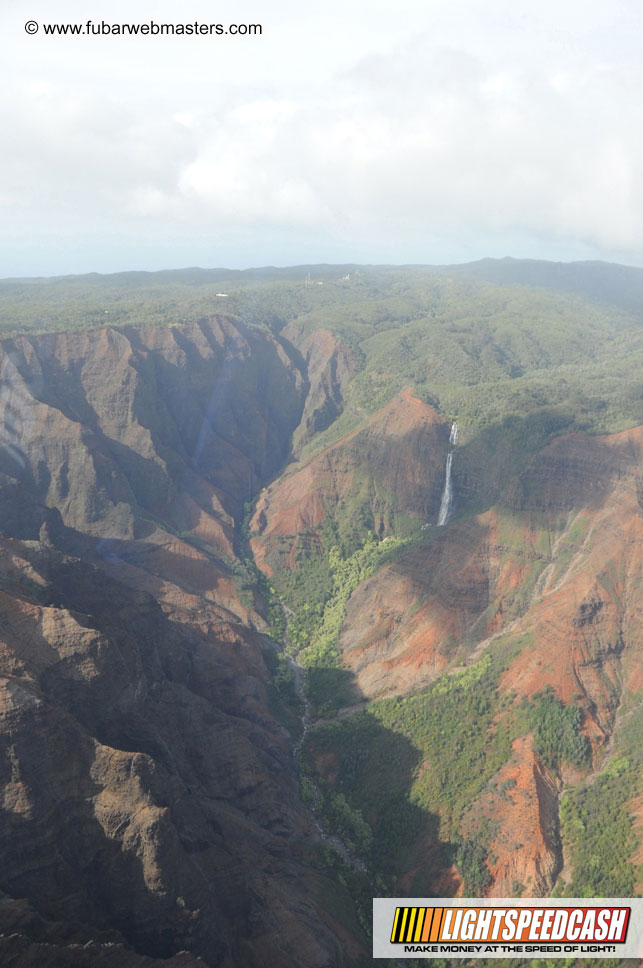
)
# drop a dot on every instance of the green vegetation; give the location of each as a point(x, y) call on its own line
point(374, 768)
point(321, 648)
point(348, 823)
point(470, 857)
point(282, 696)
point(267, 298)
point(516, 363)
point(453, 725)
point(596, 825)
point(517, 366)
point(347, 895)
point(314, 630)
point(557, 734)
point(410, 766)
point(486, 353)
point(596, 821)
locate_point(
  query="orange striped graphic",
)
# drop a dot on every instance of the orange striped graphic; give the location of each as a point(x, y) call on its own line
point(438, 918)
point(428, 921)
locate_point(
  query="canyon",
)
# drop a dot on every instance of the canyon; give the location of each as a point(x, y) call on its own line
point(181, 503)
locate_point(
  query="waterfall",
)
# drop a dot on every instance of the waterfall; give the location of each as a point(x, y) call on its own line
point(447, 493)
point(445, 503)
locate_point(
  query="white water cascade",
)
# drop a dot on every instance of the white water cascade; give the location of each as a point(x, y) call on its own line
point(445, 503)
point(447, 493)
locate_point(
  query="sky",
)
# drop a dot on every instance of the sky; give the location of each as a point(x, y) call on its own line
point(435, 131)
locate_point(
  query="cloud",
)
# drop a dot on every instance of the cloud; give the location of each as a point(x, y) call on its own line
point(458, 129)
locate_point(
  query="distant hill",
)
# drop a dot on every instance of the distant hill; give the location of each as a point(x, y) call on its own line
point(615, 285)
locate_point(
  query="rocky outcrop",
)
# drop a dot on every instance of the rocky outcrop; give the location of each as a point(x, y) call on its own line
point(588, 596)
point(574, 471)
point(556, 576)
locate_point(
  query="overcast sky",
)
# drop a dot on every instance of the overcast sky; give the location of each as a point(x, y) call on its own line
point(441, 131)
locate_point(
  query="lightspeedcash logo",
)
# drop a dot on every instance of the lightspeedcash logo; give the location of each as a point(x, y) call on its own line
point(506, 928)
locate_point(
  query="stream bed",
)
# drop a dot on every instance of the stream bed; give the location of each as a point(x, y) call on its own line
point(331, 840)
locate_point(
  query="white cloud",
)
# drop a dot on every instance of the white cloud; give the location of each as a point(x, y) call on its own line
point(437, 131)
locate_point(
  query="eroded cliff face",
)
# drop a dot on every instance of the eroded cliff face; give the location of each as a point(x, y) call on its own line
point(149, 794)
